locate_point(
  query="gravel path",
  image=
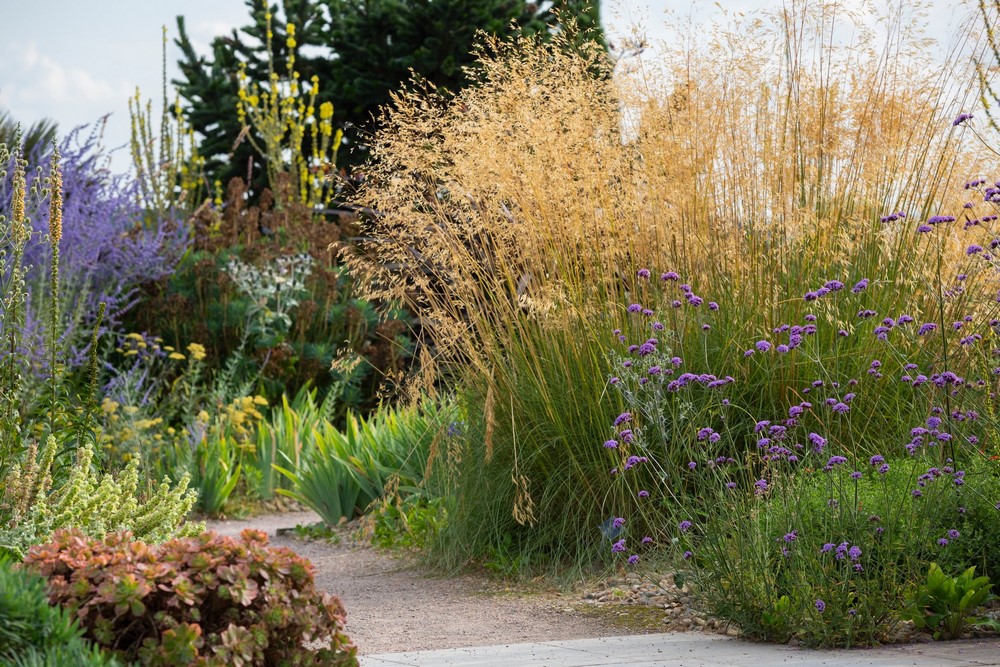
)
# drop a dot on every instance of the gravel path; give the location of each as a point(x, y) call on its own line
point(393, 606)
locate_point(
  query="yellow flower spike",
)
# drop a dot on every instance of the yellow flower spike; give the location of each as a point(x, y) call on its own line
point(290, 28)
point(56, 201)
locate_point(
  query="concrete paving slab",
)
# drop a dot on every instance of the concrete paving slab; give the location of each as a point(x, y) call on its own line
point(692, 650)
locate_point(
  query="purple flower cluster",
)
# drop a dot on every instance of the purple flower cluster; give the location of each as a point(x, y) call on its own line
point(795, 337)
point(108, 246)
point(961, 118)
point(828, 286)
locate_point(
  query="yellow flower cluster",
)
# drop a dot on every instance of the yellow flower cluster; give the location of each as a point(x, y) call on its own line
point(240, 417)
point(282, 114)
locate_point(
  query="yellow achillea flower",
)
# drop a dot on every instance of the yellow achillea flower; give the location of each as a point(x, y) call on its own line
point(197, 351)
point(108, 406)
point(176, 355)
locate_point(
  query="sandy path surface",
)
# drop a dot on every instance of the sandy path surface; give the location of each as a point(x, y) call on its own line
point(394, 606)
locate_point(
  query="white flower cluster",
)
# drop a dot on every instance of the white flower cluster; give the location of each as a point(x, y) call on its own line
point(274, 290)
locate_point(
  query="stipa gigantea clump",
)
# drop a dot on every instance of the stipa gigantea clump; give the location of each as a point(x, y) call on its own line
point(515, 215)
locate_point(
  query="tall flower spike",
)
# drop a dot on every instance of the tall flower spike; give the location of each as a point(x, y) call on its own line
point(19, 226)
point(56, 201)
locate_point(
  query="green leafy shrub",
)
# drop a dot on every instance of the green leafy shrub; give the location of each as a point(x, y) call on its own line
point(271, 314)
point(205, 600)
point(95, 504)
point(409, 522)
point(945, 606)
point(341, 473)
point(33, 632)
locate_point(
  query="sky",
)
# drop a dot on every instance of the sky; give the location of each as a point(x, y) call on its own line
point(75, 61)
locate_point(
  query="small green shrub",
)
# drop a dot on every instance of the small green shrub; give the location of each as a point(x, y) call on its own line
point(206, 600)
point(94, 504)
point(945, 606)
point(409, 522)
point(33, 632)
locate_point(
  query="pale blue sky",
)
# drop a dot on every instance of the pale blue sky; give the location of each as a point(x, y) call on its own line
point(75, 61)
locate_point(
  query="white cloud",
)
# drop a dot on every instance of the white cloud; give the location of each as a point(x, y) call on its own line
point(43, 79)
